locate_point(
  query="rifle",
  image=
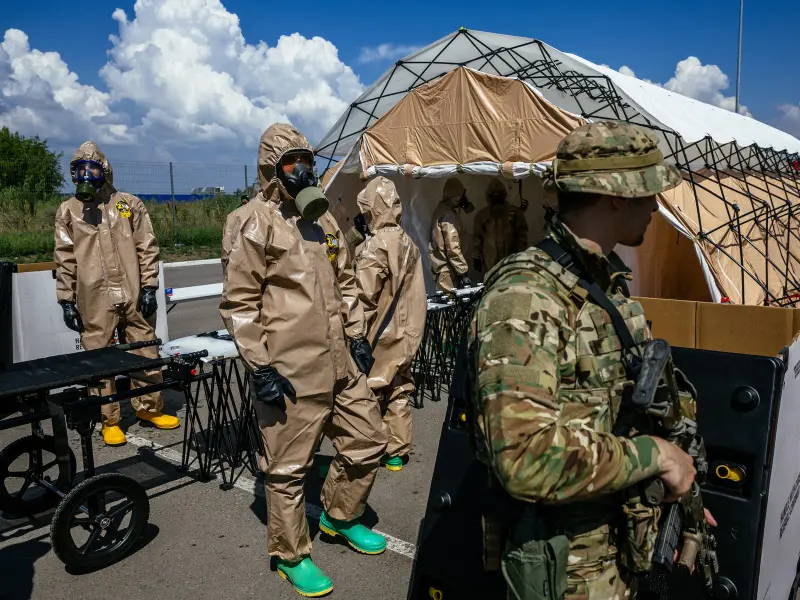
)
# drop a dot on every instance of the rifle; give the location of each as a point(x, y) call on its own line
point(656, 394)
point(656, 407)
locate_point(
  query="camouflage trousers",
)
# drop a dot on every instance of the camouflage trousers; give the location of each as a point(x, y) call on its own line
point(593, 571)
point(588, 553)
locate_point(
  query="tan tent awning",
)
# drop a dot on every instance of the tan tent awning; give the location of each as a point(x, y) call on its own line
point(762, 236)
point(467, 117)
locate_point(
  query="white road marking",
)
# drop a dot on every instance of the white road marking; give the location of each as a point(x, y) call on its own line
point(249, 485)
point(191, 263)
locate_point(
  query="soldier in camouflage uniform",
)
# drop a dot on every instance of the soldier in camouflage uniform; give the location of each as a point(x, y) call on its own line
point(548, 380)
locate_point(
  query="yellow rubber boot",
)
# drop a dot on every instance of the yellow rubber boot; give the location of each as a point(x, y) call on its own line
point(160, 420)
point(113, 435)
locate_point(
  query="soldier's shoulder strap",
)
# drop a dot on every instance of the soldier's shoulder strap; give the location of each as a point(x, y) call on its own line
point(561, 256)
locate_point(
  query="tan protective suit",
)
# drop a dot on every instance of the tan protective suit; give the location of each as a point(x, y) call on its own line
point(103, 257)
point(447, 233)
point(392, 292)
point(290, 300)
point(496, 237)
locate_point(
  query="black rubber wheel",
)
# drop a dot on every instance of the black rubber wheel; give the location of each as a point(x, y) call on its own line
point(29, 498)
point(106, 541)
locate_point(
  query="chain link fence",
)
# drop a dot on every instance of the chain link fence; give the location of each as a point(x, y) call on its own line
point(188, 203)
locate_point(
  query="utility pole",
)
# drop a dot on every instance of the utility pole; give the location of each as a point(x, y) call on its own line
point(739, 57)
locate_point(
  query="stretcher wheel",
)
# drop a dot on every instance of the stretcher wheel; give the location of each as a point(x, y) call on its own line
point(112, 500)
point(20, 494)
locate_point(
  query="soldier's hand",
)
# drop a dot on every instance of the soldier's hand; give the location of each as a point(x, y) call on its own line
point(710, 518)
point(147, 301)
point(711, 521)
point(676, 469)
point(362, 354)
point(72, 317)
point(270, 387)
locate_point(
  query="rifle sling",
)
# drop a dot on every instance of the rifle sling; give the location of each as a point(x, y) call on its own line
point(555, 251)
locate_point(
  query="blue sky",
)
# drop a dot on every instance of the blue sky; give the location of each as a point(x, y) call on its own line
point(145, 119)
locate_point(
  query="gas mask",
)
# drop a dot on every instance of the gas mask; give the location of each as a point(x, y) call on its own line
point(295, 171)
point(359, 231)
point(497, 202)
point(465, 205)
point(89, 177)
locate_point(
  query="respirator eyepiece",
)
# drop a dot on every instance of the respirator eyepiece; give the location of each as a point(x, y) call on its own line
point(89, 176)
point(295, 170)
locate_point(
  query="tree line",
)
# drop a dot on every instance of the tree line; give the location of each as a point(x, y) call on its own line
point(29, 170)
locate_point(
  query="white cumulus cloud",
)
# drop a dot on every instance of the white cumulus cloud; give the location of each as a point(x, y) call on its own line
point(39, 94)
point(179, 75)
point(791, 118)
point(384, 52)
point(702, 82)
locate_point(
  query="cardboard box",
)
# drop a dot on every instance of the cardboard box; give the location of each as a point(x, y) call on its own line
point(758, 330)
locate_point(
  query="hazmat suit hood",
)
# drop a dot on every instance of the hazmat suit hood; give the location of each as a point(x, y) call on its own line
point(452, 192)
point(496, 186)
point(90, 151)
point(380, 204)
point(276, 141)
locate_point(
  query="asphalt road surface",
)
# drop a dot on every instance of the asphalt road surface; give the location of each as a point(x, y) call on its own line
point(206, 543)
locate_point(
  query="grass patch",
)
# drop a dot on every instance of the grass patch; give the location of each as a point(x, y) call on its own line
point(27, 237)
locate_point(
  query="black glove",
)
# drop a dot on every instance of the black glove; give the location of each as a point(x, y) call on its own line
point(362, 354)
point(360, 223)
point(147, 301)
point(270, 387)
point(72, 317)
point(465, 281)
point(477, 264)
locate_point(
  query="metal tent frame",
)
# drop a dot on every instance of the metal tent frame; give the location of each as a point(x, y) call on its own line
point(768, 224)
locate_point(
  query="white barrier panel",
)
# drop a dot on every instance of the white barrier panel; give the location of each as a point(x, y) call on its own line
point(780, 546)
point(38, 328)
point(195, 292)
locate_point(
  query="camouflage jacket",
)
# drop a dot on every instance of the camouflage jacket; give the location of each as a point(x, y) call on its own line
point(548, 379)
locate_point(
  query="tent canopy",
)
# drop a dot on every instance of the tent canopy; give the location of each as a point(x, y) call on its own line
point(467, 120)
point(504, 103)
point(571, 83)
point(693, 119)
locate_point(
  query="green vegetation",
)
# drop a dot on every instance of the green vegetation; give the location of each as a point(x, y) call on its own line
point(30, 177)
point(26, 237)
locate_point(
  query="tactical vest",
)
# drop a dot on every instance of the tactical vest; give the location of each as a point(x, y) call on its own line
point(592, 375)
point(590, 388)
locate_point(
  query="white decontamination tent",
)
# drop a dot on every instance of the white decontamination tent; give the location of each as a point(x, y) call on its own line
point(476, 104)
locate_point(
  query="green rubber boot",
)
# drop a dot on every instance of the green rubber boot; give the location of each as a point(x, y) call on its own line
point(306, 578)
point(359, 537)
point(393, 463)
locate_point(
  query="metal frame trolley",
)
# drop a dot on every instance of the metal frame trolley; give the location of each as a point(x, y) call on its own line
point(67, 390)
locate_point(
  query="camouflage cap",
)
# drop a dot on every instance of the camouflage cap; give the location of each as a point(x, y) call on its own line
point(612, 158)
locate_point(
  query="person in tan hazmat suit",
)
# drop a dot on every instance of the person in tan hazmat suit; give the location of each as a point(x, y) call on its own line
point(290, 302)
point(445, 251)
point(392, 292)
point(500, 229)
point(106, 257)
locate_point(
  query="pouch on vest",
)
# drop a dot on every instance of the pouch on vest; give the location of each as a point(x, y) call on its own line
point(535, 569)
point(638, 536)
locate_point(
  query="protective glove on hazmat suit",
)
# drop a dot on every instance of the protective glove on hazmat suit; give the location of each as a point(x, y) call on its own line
point(392, 292)
point(290, 302)
point(447, 235)
point(500, 229)
point(106, 257)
